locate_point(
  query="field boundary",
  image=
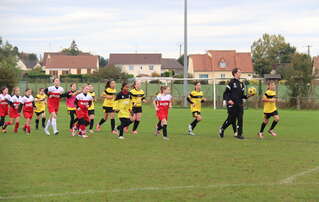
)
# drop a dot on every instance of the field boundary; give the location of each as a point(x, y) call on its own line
point(292, 178)
point(159, 188)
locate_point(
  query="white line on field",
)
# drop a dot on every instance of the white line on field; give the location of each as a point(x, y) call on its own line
point(145, 189)
point(292, 178)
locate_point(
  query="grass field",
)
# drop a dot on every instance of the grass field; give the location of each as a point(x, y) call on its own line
point(147, 168)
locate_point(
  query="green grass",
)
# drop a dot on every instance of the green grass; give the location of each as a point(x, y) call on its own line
point(147, 168)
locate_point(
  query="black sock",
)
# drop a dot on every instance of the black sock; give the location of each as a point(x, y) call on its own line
point(37, 123)
point(43, 122)
point(91, 124)
point(194, 123)
point(113, 124)
point(234, 128)
point(120, 129)
point(1, 121)
point(165, 130)
point(273, 125)
point(135, 125)
point(263, 125)
point(101, 121)
point(159, 125)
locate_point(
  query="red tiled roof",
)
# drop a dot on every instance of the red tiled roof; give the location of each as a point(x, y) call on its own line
point(211, 61)
point(316, 63)
point(133, 59)
point(67, 61)
point(45, 56)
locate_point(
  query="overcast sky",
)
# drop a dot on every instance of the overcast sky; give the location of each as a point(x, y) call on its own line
point(147, 26)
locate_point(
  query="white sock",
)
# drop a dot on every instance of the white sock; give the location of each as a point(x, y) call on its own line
point(48, 124)
point(54, 125)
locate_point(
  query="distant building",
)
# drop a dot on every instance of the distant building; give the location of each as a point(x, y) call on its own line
point(137, 64)
point(27, 61)
point(171, 65)
point(57, 64)
point(219, 64)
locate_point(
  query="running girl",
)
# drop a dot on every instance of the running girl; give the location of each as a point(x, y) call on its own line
point(54, 95)
point(108, 104)
point(162, 103)
point(40, 101)
point(123, 107)
point(14, 114)
point(4, 105)
point(82, 102)
point(28, 104)
point(195, 98)
point(92, 107)
point(137, 97)
point(70, 99)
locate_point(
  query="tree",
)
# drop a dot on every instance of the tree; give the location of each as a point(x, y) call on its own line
point(269, 52)
point(181, 60)
point(103, 62)
point(9, 74)
point(111, 72)
point(72, 50)
point(299, 76)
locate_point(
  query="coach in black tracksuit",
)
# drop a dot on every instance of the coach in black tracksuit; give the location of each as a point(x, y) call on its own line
point(234, 95)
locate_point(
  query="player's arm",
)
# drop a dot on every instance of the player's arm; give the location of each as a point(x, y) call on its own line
point(46, 91)
point(108, 95)
point(155, 103)
point(268, 98)
point(144, 99)
point(227, 94)
point(116, 106)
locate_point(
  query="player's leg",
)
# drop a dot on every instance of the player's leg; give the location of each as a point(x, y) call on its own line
point(2, 119)
point(72, 118)
point(231, 119)
point(82, 127)
point(6, 124)
point(164, 125)
point(28, 127)
point(137, 118)
point(49, 123)
point(54, 123)
point(37, 120)
point(124, 123)
point(16, 125)
point(197, 119)
point(273, 125)
point(91, 117)
point(102, 121)
point(43, 119)
point(239, 117)
point(263, 125)
point(112, 117)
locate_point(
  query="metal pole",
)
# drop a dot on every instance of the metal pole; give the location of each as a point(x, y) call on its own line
point(214, 94)
point(185, 54)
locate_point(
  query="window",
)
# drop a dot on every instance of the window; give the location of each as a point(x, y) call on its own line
point(78, 71)
point(222, 63)
point(222, 76)
point(131, 68)
point(203, 76)
point(141, 67)
point(151, 67)
point(54, 73)
point(64, 72)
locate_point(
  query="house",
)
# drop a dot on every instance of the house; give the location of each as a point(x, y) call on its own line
point(57, 64)
point(27, 61)
point(171, 65)
point(218, 64)
point(316, 66)
point(137, 64)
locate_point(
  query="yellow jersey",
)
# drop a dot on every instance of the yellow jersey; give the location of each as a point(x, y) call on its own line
point(40, 103)
point(123, 105)
point(195, 98)
point(109, 102)
point(137, 97)
point(92, 94)
point(270, 107)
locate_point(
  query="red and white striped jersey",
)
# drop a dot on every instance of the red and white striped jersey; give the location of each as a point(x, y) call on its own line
point(28, 103)
point(83, 101)
point(163, 101)
point(4, 99)
point(16, 101)
point(54, 94)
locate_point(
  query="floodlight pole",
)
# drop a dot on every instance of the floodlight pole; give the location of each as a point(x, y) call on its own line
point(185, 55)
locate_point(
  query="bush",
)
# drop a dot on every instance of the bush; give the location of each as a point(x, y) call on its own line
point(9, 77)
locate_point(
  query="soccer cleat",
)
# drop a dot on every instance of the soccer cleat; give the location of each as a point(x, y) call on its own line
point(235, 134)
point(56, 133)
point(91, 131)
point(4, 130)
point(46, 132)
point(221, 133)
point(134, 132)
point(240, 137)
point(165, 138)
point(260, 135)
point(28, 134)
point(115, 132)
point(84, 136)
point(121, 137)
point(272, 133)
point(98, 127)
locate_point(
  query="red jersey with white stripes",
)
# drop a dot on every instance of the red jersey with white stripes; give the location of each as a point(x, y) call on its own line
point(54, 94)
point(28, 103)
point(83, 101)
point(4, 104)
point(14, 107)
point(163, 102)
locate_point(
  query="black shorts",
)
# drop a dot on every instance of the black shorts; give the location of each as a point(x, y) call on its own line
point(91, 112)
point(108, 109)
point(137, 110)
point(195, 113)
point(268, 115)
point(39, 113)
